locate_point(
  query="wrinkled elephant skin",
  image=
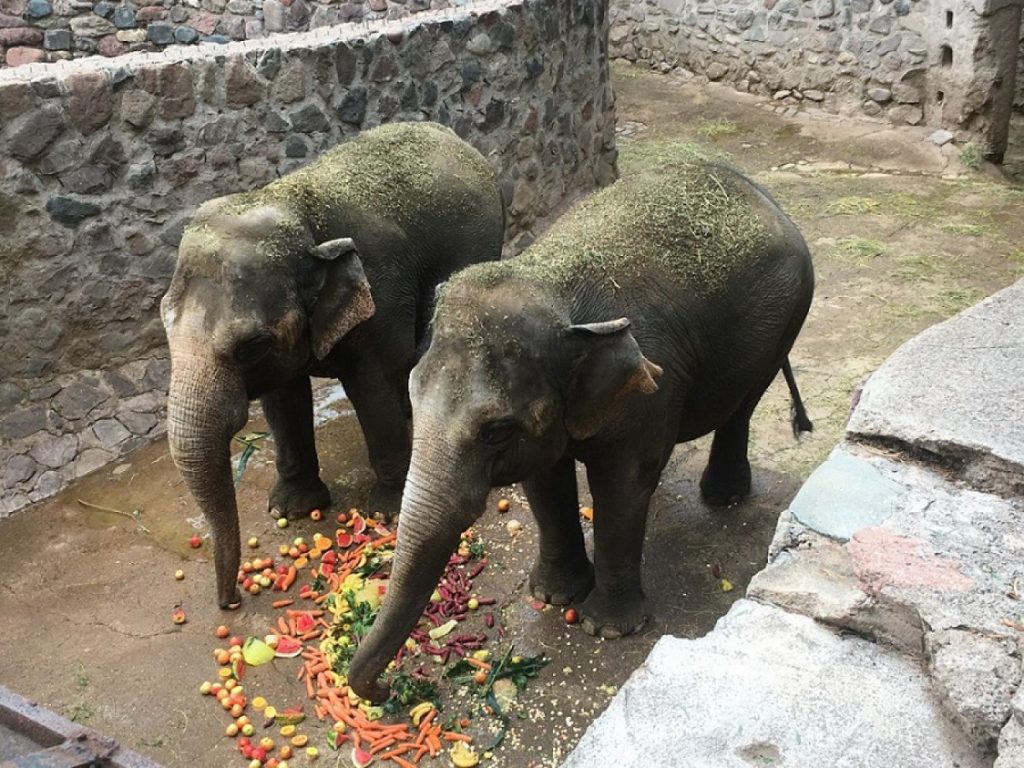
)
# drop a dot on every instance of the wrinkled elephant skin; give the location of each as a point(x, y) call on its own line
point(329, 271)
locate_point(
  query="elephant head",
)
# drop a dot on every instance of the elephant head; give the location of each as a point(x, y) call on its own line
point(253, 300)
point(506, 383)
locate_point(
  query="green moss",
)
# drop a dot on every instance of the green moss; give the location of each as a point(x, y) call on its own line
point(853, 205)
point(689, 223)
point(715, 128)
point(861, 249)
point(972, 155)
point(959, 228)
point(388, 172)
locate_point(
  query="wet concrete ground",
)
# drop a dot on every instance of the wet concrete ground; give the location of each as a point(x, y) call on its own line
point(86, 596)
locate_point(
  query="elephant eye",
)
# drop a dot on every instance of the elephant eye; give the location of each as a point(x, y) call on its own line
point(253, 349)
point(499, 431)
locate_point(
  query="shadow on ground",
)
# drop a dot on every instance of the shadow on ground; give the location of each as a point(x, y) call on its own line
point(87, 595)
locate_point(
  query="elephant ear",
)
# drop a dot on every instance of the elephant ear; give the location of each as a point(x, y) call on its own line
point(608, 366)
point(344, 298)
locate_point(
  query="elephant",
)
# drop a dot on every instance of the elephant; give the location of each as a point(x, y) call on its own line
point(328, 271)
point(656, 311)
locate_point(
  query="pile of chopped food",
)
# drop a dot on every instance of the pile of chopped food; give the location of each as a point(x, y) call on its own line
point(448, 690)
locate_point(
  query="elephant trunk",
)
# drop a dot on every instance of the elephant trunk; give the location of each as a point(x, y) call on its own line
point(206, 406)
point(430, 526)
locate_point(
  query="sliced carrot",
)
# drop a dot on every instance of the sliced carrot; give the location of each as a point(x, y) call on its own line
point(374, 749)
point(309, 688)
point(401, 749)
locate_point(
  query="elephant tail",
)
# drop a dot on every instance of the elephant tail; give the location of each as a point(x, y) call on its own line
point(798, 414)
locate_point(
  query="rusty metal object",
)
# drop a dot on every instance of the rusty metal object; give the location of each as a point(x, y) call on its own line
point(62, 744)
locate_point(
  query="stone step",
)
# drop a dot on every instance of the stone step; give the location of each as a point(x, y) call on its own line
point(768, 687)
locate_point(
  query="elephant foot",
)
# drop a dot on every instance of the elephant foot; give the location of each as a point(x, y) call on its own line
point(295, 499)
point(559, 584)
point(232, 603)
point(612, 617)
point(385, 502)
point(722, 489)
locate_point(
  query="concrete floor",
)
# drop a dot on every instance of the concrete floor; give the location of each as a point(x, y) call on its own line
point(87, 596)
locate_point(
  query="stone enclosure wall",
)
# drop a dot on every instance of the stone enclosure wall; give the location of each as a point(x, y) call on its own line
point(53, 30)
point(948, 63)
point(102, 162)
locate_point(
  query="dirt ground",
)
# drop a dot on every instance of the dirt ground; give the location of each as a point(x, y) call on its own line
point(902, 235)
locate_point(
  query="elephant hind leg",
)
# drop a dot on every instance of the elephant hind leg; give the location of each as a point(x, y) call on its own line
point(726, 479)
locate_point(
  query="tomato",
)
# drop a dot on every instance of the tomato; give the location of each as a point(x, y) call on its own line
point(571, 617)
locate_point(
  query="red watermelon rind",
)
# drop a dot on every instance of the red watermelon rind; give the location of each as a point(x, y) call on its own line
point(288, 648)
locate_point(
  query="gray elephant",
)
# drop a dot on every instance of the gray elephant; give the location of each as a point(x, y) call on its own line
point(657, 311)
point(328, 271)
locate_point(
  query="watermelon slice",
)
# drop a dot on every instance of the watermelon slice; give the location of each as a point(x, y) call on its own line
point(288, 648)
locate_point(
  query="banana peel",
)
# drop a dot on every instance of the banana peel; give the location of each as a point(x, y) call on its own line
point(438, 632)
point(419, 711)
point(463, 756)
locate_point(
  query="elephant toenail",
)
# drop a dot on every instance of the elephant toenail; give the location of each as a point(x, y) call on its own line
point(275, 512)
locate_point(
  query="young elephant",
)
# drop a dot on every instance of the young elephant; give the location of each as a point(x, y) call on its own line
point(657, 311)
point(328, 271)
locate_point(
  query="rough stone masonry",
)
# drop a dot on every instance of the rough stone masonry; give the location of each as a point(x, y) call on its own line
point(33, 31)
point(948, 63)
point(102, 162)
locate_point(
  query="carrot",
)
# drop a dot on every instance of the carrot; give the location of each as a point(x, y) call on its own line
point(310, 693)
point(382, 745)
point(424, 723)
point(303, 672)
point(281, 603)
point(454, 736)
point(321, 713)
point(312, 614)
point(401, 749)
point(289, 578)
point(477, 663)
point(283, 626)
point(311, 634)
point(320, 599)
point(420, 753)
point(402, 763)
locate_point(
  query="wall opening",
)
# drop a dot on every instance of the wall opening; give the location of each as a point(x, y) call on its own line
point(949, 19)
point(939, 96)
point(947, 56)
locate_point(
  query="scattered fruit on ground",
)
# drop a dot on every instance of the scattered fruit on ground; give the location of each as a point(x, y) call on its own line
point(195, 542)
point(179, 575)
point(503, 505)
point(571, 617)
point(342, 579)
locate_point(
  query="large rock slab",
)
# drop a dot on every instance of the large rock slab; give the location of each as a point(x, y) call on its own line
point(957, 391)
point(768, 687)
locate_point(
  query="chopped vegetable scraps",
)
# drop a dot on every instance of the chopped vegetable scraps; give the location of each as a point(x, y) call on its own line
point(347, 578)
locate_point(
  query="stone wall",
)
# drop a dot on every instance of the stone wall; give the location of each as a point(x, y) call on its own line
point(940, 62)
point(53, 30)
point(102, 162)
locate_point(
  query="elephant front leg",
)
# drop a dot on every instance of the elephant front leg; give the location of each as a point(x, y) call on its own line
point(299, 489)
point(622, 493)
point(562, 572)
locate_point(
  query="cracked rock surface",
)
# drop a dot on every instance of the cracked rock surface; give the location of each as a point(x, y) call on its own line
point(908, 539)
